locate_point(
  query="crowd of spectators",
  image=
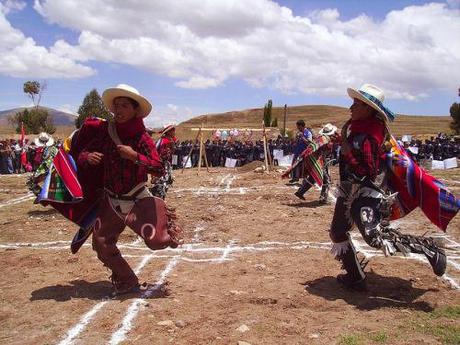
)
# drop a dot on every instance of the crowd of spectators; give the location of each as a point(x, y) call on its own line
point(217, 151)
point(17, 159)
point(438, 147)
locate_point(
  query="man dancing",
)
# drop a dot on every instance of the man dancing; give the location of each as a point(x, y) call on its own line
point(303, 138)
point(364, 181)
point(316, 159)
point(166, 147)
point(127, 155)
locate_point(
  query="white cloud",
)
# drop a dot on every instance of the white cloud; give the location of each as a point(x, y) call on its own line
point(204, 43)
point(68, 108)
point(171, 113)
point(12, 5)
point(20, 56)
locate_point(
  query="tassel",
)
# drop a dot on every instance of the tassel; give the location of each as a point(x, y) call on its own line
point(338, 249)
point(388, 248)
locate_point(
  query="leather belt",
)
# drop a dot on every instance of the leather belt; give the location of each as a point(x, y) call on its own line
point(124, 196)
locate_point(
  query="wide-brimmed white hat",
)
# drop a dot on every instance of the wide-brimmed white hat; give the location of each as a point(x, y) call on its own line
point(123, 90)
point(167, 128)
point(44, 139)
point(374, 97)
point(328, 129)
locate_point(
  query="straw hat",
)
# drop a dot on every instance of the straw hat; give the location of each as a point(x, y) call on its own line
point(328, 129)
point(44, 139)
point(167, 128)
point(374, 97)
point(123, 90)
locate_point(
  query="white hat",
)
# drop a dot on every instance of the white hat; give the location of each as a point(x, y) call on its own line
point(374, 97)
point(167, 128)
point(328, 129)
point(123, 90)
point(44, 139)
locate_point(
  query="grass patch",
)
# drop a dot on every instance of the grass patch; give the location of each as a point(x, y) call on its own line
point(448, 334)
point(350, 339)
point(450, 312)
point(380, 337)
point(436, 324)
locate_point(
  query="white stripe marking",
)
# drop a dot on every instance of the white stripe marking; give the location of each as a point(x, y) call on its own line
point(134, 308)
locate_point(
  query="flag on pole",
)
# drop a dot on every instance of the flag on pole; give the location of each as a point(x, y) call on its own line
point(23, 151)
point(22, 134)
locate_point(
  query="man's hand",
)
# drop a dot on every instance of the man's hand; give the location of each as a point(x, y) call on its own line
point(127, 152)
point(95, 158)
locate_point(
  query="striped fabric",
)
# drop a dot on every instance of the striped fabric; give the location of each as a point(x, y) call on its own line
point(417, 188)
point(311, 161)
point(61, 184)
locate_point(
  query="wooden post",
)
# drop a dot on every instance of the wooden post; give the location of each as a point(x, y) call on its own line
point(201, 150)
point(265, 147)
point(284, 123)
point(190, 153)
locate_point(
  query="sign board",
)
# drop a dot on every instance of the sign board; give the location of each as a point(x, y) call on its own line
point(437, 165)
point(230, 162)
point(278, 154)
point(189, 163)
point(286, 161)
point(450, 163)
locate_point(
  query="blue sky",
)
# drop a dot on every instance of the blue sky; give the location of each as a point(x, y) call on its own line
point(236, 61)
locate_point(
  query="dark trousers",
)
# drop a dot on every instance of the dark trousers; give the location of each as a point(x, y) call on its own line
point(146, 221)
point(364, 212)
point(308, 182)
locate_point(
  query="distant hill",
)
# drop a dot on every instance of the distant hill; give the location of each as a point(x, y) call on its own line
point(315, 116)
point(60, 118)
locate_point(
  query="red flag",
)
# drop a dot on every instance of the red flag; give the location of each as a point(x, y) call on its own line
point(23, 151)
point(22, 134)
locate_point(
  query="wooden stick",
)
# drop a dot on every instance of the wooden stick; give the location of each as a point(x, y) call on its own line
point(265, 147)
point(189, 154)
point(201, 152)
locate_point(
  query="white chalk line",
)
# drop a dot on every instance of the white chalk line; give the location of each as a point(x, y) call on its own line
point(75, 331)
point(23, 198)
point(228, 191)
point(134, 308)
point(368, 253)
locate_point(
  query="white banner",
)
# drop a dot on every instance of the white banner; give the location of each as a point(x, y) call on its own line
point(285, 161)
point(230, 162)
point(413, 149)
point(437, 165)
point(174, 159)
point(189, 163)
point(278, 154)
point(406, 138)
point(450, 163)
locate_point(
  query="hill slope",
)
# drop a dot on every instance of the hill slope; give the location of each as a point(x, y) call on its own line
point(315, 116)
point(60, 118)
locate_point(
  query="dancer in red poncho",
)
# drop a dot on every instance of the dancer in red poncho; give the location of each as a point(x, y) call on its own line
point(166, 146)
point(365, 183)
point(127, 155)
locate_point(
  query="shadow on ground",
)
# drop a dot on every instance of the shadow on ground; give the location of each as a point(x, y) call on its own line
point(40, 213)
point(94, 291)
point(382, 292)
point(308, 204)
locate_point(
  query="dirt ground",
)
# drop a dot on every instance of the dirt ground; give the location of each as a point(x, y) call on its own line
point(255, 268)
